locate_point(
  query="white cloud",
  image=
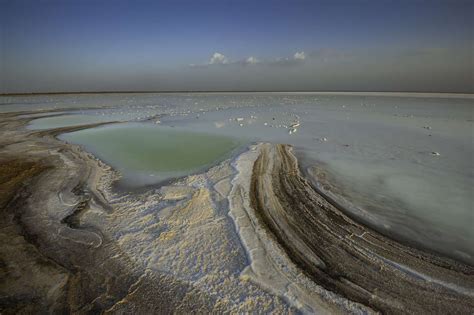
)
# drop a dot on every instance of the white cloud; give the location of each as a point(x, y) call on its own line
point(299, 55)
point(251, 60)
point(218, 59)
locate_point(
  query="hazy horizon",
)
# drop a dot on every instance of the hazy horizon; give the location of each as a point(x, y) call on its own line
point(232, 46)
point(362, 93)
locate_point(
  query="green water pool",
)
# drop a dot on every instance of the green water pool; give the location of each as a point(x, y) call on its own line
point(145, 153)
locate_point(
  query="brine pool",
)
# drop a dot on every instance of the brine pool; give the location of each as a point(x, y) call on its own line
point(146, 154)
point(402, 164)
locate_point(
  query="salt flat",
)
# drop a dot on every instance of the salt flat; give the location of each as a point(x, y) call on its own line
point(157, 189)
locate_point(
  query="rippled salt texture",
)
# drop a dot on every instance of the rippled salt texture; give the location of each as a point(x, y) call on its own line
point(379, 152)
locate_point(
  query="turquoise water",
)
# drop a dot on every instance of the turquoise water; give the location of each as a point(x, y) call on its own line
point(146, 154)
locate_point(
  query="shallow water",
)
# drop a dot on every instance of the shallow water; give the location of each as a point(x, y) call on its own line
point(376, 149)
point(147, 154)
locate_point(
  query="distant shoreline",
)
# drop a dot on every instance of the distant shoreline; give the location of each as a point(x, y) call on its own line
point(379, 93)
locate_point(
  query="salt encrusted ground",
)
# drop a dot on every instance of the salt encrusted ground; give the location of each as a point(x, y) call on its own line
point(72, 244)
point(204, 243)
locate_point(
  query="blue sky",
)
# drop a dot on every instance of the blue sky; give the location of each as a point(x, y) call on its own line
point(81, 45)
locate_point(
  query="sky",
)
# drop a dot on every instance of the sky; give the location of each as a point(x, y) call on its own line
point(201, 45)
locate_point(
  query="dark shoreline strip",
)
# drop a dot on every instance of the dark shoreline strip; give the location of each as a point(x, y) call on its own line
point(357, 262)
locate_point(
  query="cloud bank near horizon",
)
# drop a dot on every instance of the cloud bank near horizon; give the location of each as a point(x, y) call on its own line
point(56, 46)
point(410, 70)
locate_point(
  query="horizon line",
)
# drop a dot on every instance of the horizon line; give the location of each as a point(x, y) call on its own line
point(232, 91)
